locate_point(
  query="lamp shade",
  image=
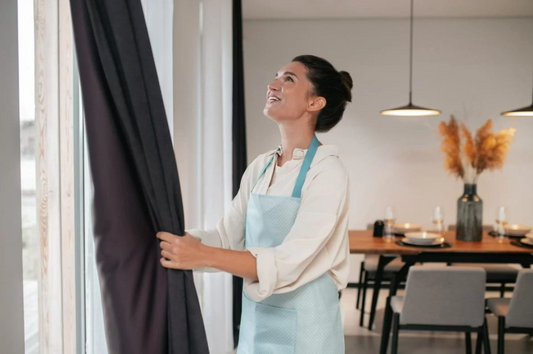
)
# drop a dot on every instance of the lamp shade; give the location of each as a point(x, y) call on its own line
point(411, 111)
point(521, 112)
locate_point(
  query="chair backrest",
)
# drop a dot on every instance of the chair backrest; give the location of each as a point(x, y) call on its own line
point(452, 296)
point(521, 307)
point(453, 227)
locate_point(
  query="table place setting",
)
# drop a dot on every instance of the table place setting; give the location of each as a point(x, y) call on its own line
point(512, 231)
point(516, 230)
point(526, 242)
point(414, 236)
point(424, 239)
point(411, 234)
point(400, 229)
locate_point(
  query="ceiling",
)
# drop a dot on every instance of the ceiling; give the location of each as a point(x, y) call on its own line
point(336, 9)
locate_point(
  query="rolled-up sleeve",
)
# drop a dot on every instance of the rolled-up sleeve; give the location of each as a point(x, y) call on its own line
point(317, 242)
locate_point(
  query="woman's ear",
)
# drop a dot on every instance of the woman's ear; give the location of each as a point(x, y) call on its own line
point(316, 104)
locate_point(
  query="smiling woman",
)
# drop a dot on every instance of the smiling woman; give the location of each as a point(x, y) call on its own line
point(286, 231)
point(328, 86)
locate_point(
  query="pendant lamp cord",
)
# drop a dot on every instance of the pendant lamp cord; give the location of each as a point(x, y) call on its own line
point(411, 58)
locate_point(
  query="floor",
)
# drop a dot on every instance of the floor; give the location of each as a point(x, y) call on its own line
point(358, 340)
point(362, 341)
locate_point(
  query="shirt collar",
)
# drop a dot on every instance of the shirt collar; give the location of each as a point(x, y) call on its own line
point(297, 154)
point(322, 152)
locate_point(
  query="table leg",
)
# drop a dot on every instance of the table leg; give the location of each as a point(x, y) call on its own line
point(387, 317)
point(383, 261)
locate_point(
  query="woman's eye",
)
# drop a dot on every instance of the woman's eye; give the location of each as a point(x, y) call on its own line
point(290, 79)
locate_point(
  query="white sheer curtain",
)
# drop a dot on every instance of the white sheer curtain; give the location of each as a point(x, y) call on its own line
point(158, 16)
point(202, 71)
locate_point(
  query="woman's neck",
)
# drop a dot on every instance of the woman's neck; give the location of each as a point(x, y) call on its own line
point(294, 137)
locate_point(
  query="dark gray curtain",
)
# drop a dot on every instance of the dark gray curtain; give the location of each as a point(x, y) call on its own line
point(239, 141)
point(147, 308)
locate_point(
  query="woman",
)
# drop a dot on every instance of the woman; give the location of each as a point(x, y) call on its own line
point(286, 233)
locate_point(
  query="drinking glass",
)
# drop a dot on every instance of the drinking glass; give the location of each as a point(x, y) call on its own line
point(501, 221)
point(390, 218)
point(438, 219)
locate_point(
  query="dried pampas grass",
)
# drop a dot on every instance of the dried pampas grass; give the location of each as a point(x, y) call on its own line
point(451, 146)
point(466, 157)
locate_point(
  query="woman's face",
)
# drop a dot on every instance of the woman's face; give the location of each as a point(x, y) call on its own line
point(289, 96)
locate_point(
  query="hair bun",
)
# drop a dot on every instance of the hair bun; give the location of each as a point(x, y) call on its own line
point(348, 83)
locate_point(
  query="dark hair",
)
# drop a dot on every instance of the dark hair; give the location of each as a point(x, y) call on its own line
point(335, 86)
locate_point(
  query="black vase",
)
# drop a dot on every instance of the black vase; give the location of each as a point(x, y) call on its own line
point(469, 215)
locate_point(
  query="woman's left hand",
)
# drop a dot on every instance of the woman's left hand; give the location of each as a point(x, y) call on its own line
point(181, 252)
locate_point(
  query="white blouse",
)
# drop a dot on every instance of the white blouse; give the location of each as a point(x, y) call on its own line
point(318, 240)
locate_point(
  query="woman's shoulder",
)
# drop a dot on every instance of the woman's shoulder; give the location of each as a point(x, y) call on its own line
point(327, 162)
point(327, 156)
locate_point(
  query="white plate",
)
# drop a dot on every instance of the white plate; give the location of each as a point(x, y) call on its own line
point(530, 236)
point(422, 238)
point(434, 242)
point(404, 227)
point(517, 230)
point(527, 241)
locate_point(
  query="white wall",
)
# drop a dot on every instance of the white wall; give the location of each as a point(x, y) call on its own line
point(11, 307)
point(473, 68)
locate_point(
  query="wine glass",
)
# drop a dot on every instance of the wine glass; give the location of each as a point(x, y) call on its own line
point(438, 219)
point(390, 218)
point(501, 221)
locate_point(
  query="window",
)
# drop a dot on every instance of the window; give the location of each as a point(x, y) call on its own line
point(49, 307)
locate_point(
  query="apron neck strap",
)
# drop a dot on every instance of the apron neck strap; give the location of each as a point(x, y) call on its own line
point(297, 191)
point(306, 165)
point(262, 173)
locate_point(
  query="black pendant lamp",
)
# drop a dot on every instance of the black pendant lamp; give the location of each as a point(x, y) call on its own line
point(411, 110)
point(520, 112)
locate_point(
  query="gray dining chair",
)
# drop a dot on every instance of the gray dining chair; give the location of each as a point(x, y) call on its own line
point(443, 299)
point(515, 315)
point(501, 274)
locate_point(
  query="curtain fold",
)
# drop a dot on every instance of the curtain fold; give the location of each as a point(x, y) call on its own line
point(147, 308)
point(238, 141)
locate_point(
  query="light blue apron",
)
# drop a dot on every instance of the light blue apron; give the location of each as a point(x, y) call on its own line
point(304, 321)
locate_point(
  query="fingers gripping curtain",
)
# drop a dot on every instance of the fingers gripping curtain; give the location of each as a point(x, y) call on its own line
point(147, 308)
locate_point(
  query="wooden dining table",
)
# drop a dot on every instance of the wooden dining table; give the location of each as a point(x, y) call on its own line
point(488, 250)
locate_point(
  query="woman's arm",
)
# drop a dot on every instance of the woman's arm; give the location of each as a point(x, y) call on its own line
point(323, 215)
point(188, 253)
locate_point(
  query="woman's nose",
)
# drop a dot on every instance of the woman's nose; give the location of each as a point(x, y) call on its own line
point(273, 86)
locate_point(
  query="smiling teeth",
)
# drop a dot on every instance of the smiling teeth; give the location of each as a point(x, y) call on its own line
point(273, 99)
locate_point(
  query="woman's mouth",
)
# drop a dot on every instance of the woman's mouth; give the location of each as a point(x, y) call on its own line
point(273, 99)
